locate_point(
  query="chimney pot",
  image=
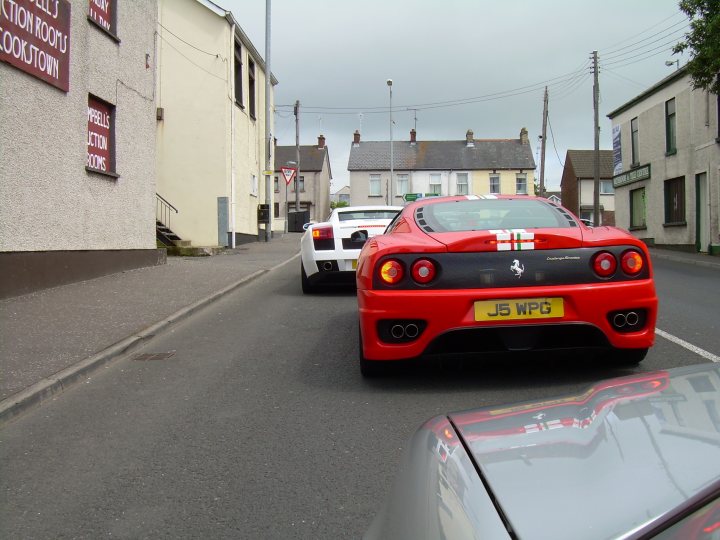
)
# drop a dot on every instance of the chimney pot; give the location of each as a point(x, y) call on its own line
point(356, 137)
point(321, 141)
point(469, 141)
point(524, 139)
point(413, 134)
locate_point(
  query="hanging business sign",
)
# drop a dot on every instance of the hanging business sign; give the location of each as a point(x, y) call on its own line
point(35, 38)
point(617, 150)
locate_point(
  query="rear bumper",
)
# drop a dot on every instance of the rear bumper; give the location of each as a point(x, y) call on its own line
point(451, 327)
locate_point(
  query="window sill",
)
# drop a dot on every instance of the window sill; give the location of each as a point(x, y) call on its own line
point(103, 30)
point(252, 116)
point(638, 228)
point(238, 104)
point(676, 224)
point(671, 152)
point(102, 173)
point(375, 196)
point(634, 165)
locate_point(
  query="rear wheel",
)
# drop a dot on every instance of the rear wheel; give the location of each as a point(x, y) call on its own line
point(627, 357)
point(307, 288)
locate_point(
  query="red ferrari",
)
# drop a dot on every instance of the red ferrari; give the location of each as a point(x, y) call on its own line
point(493, 274)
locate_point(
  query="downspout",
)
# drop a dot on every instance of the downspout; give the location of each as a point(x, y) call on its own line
point(232, 140)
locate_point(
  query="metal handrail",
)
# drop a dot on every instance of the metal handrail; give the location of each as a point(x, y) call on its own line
point(163, 209)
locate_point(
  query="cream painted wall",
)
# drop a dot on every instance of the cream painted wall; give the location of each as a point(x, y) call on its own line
point(481, 182)
point(196, 163)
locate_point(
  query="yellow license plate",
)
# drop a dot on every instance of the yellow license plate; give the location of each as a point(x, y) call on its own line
point(519, 308)
point(354, 264)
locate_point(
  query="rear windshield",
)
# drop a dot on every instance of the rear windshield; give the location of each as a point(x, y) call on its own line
point(367, 214)
point(488, 214)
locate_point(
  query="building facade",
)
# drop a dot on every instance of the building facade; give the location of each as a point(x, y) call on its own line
point(77, 133)
point(315, 177)
point(465, 167)
point(211, 149)
point(667, 165)
point(578, 185)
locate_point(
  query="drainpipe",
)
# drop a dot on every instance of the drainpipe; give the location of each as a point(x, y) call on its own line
point(232, 141)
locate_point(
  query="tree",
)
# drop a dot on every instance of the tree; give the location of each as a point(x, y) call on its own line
point(339, 204)
point(703, 43)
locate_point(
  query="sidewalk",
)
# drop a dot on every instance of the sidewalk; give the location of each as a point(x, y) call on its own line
point(54, 337)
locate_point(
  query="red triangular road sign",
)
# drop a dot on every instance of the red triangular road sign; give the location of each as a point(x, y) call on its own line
point(288, 173)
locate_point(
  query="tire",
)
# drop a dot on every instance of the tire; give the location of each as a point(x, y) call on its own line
point(307, 288)
point(627, 357)
point(368, 368)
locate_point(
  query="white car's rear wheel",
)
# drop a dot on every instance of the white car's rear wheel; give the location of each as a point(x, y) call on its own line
point(307, 288)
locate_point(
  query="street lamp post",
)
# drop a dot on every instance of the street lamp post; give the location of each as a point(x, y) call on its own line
point(389, 83)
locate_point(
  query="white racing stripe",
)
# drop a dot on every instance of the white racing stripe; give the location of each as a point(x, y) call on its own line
point(688, 346)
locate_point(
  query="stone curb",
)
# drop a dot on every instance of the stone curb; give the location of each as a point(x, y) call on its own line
point(35, 395)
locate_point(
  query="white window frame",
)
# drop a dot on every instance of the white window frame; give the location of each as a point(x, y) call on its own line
point(495, 176)
point(376, 181)
point(459, 184)
point(521, 180)
point(254, 185)
point(436, 187)
point(401, 183)
point(606, 187)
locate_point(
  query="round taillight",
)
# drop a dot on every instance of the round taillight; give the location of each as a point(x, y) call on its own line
point(391, 272)
point(631, 262)
point(423, 271)
point(604, 264)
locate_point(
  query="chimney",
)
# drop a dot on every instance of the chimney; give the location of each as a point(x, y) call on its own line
point(469, 141)
point(413, 134)
point(321, 142)
point(524, 136)
point(356, 138)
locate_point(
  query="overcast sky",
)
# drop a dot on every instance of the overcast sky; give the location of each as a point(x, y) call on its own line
point(336, 55)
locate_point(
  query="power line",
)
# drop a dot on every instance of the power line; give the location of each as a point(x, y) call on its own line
point(611, 48)
point(552, 135)
point(675, 37)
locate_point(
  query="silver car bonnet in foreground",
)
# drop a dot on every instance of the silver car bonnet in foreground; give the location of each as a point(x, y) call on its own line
point(616, 461)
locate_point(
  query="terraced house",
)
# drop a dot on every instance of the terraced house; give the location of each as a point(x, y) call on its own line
point(460, 167)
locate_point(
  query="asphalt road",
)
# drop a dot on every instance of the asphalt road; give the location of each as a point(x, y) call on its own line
point(260, 426)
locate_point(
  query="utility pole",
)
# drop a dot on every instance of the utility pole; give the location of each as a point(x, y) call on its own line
point(297, 156)
point(542, 151)
point(596, 169)
point(268, 135)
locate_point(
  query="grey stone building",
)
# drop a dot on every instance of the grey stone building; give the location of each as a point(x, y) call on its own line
point(666, 145)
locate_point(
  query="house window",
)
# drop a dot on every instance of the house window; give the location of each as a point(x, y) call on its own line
point(606, 187)
point(402, 184)
point(104, 15)
point(253, 184)
point(276, 210)
point(277, 184)
point(238, 74)
point(675, 201)
point(435, 184)
point(100, 136)
point(521, 183)
point(637, 208)
point(634, 141)
point(462, 183)
point(670, 147)
point(494, 183)
point(302, 184)
point(375, 186)
point(251, 88)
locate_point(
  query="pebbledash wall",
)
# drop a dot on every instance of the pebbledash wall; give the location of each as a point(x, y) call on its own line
point(77, 146)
